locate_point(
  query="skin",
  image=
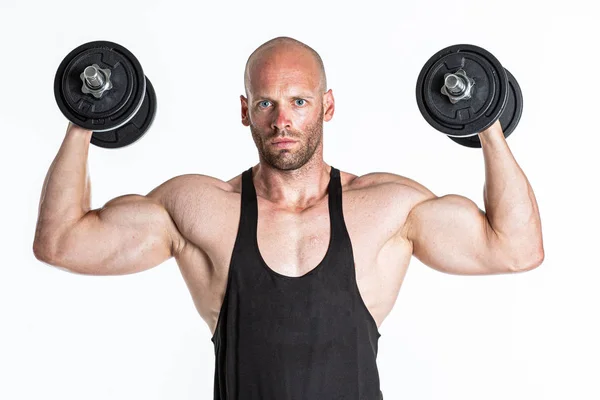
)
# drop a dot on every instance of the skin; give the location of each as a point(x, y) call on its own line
point(194, 218)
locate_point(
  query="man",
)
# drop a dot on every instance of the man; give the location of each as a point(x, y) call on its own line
point(293, 264)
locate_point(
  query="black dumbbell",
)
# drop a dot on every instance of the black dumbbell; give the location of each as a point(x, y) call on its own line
point(101, 86)
point(463, 89)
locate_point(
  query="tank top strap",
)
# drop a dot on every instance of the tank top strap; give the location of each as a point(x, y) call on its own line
point(336, 213)
point(248, 191)
point(335, 196)
point(249, 208)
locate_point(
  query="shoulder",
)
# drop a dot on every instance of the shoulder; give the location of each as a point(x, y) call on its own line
point(197, 195)
point(187, 186)
point(190, 200)
point(403, 195)
point(186, 181)
point(394, 183)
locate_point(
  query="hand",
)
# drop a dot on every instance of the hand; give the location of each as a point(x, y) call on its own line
point(494, 130)
point(495, 127)
point(74, 129)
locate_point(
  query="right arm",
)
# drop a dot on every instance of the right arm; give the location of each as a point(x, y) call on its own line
point(129, 234)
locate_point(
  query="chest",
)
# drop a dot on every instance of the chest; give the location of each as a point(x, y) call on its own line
point(292, 244)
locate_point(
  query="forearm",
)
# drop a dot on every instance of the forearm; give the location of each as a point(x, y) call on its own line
point(510, 203)
point(65, 196)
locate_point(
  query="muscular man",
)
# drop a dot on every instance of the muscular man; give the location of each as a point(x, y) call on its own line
point(293, 264)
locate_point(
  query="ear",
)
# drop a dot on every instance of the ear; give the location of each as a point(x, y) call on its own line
point(245, 116)
point(328, 105)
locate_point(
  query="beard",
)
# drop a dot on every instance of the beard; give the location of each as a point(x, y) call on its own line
point(289, 159)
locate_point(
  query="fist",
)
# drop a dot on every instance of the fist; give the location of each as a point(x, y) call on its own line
point(77, 129)
point(494, 130)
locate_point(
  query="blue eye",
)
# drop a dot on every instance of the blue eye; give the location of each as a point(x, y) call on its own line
point(262, 102)
point(302, 100)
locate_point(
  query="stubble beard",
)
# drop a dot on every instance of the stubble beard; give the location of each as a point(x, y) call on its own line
point(289, 159)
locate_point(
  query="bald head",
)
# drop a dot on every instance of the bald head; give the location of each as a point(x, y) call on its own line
point(284, 52)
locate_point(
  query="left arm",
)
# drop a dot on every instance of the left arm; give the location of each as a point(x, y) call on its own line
point(451, 234)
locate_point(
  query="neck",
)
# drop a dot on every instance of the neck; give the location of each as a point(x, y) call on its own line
point(295, 189)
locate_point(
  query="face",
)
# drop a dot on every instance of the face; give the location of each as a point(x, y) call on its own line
point(285, 102)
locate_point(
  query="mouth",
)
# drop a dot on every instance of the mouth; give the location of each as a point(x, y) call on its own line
point(283, 143)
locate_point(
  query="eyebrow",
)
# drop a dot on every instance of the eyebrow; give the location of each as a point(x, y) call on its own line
point(297, 96)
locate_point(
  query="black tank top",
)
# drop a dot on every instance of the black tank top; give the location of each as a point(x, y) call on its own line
point(294, 338)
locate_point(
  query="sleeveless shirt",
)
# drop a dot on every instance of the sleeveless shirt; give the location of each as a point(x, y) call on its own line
point(280, 337)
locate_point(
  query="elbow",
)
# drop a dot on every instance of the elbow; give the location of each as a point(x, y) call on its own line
point(46, 252)
point(42, 251)
point(44, 244)
point(45, 255)
point(534, 259)
point(39, 253)
point(46, 247)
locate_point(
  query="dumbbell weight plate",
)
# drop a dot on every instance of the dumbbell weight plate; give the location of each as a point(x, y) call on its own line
point(509, 119)
point(118, 104)
point(134, 129)
point(466, 117)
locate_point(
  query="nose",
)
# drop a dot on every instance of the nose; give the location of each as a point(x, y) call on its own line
point(281, 119)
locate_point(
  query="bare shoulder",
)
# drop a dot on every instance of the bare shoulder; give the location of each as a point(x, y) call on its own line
point(192, 201)
point(185, 182)
point(390, 196)
point(188, 190)
point(392, 184)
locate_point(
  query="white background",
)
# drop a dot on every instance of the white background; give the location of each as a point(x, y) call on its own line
point(523, 336)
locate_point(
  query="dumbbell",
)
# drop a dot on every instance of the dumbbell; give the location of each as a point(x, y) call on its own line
point(101, 86)
point(463, 89)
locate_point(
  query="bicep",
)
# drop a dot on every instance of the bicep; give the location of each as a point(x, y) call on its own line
point(129, 234)
point(451, 234)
